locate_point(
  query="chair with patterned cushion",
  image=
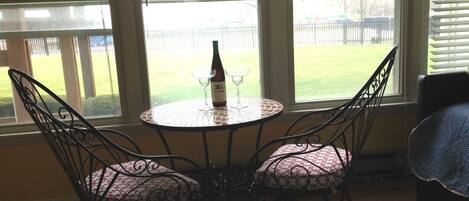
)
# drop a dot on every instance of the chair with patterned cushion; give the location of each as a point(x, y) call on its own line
point(318, 151)
point(99, 167)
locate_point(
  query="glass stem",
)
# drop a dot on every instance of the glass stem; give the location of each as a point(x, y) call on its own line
point(205, 97)
point(237, 93)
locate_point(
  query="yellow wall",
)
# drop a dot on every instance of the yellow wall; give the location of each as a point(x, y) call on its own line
point(29, 171)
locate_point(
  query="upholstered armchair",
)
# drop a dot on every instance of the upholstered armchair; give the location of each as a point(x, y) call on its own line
point(435, 92)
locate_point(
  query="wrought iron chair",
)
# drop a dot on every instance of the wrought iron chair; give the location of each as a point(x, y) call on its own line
point(99, 168)
point(318, 151)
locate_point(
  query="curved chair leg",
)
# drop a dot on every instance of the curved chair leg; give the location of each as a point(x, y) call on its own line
point(253, 194)
point(327, 196)
point(285, 197)
point(345, 194)
point(342, 196)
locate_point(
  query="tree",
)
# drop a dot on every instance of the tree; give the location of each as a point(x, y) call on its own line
point(345, 4)
point(371, 7)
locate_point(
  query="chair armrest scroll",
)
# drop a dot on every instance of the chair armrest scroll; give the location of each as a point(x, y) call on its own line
point(152, 160)
point(151, 167)
point(296, 127)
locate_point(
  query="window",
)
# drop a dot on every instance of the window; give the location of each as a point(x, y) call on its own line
point(338, 44)
point(66, 46)
point(179, 39)
point(286, 45)
point(448, 36)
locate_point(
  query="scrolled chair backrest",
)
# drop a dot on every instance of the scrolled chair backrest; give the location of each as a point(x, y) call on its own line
point(346, 126)
point(81, 148)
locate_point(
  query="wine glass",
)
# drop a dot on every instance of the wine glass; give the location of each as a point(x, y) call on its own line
point(237, 75)
point(203, 76)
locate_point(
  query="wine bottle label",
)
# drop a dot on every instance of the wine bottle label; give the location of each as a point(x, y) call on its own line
point(218, 91)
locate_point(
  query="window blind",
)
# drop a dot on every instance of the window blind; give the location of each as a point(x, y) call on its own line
point(449, 29)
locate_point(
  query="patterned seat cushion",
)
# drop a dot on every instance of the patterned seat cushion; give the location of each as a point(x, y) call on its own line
point(319, 169)
point(171, 186)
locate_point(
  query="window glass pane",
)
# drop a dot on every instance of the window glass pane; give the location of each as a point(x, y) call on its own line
point(448, 36)
point(7, 111)
point(55, 16)
point(179, 39)
point(68, 48)
point(338, 44)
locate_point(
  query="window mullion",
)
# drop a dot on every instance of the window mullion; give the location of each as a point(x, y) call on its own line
point(425, 15)
point(399, 72)
point(279, 51)
point(264, 62)
point(67, 46)
point(131, 62)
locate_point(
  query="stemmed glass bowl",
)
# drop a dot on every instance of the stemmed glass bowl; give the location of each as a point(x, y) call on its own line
point(203, 76)
point(237, 75)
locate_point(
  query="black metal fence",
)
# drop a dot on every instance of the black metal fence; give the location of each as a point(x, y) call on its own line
point(44, 46)
point(50, 45)
point(238, 37)
point(233, 37)
point(344, 33)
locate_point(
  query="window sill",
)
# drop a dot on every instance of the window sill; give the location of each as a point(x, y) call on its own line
point(389, 106)
point(325, 104)
point(20, 133)
point(33, 136)
point(14, 129)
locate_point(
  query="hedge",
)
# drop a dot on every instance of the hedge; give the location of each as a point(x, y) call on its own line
point(105, 105)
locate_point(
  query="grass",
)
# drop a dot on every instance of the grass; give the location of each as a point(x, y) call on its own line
point(332, 72)
point(170, 74)
point(48, 70)
point(320, 72)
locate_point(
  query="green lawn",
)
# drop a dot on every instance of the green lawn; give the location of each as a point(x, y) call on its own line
point(321, 72)
point(335, 71)
point(171, 80)
point(48, 70)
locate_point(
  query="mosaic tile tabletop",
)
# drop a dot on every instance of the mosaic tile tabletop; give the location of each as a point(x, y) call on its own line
point(186, 114)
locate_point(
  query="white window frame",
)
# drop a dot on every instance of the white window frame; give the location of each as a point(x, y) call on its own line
point(278, 56)
point(276, 61)
point(425, 36)
point(128, 111)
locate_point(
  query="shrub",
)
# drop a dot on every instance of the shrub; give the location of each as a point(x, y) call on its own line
point(6, 107)
point(105, 105)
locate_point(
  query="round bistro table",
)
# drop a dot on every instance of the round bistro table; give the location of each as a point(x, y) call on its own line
point(186, 116)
